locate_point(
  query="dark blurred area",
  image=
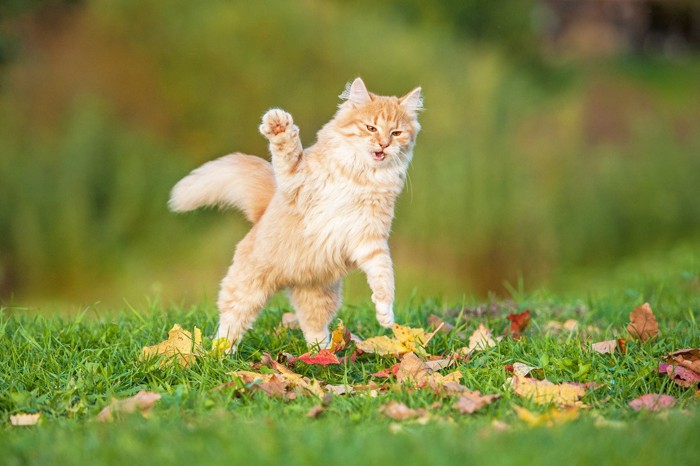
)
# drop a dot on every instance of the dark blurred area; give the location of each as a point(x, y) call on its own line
point(560, 138)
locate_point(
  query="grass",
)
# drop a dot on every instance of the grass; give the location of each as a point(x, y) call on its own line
point(69, 368)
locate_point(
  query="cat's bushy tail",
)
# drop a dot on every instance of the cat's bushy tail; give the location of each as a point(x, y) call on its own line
point(242, 181)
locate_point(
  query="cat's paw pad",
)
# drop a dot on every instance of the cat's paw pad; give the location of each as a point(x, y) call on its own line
point(276, 122)
point(385, 314)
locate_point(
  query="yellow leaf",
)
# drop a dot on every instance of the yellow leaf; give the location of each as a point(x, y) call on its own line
point(383, 346)
point(219, 347)
point(180, 347)
point(339, 338)
point(550, 418)
point(545, 392)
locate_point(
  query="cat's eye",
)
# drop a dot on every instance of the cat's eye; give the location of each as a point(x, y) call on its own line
point(396, 133)
point(371, 129)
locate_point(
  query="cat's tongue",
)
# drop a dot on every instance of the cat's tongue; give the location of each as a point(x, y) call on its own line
point(379, 155)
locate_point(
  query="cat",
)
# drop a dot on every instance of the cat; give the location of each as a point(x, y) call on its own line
point(317, 213)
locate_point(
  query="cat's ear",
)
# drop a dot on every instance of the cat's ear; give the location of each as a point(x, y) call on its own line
point(413, 101)
point(356, 92)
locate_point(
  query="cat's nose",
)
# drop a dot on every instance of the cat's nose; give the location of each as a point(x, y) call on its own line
point(384, 145)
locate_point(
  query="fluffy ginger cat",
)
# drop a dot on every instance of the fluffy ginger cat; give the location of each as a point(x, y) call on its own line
point(317, 213)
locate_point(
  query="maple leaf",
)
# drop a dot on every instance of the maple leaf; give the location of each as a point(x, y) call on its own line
point(406, 340)
point(518, 323)
point(550, 418)
point(643, 324)
point(142, 402)
point(281, 382)
point(545, 392)
point(180, 347)
point(413, 370)
point(23, 419)
point(652, 402)
point(688, 358)
point(323, 358)
point(472, 400)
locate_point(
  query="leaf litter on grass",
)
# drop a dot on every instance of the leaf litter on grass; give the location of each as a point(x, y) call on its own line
point(416, 369)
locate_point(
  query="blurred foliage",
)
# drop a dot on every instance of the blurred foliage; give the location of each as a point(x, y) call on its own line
point(520, 171)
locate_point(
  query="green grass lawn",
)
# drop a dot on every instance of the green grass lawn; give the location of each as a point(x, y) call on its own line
point(70, 368)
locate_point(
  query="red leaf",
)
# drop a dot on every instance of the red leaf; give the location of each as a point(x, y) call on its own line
point(388, 372)
point(652, 402)
point(683, 376)
point(518, 323)
point(323, 358)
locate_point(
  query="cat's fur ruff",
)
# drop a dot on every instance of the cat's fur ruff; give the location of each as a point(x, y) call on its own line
point(317, 213)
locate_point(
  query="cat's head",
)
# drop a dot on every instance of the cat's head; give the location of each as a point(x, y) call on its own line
point(381, 129)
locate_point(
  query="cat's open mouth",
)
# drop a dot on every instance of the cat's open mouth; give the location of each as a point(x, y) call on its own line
point(379, 155)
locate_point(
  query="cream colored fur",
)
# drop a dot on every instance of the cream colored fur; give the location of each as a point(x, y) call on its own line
point(318, 212)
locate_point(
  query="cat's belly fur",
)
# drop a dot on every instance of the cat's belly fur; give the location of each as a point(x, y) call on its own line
point(313, 243)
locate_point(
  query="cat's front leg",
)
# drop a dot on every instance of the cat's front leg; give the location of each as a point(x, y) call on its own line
point(285, 145)
point(375, 262)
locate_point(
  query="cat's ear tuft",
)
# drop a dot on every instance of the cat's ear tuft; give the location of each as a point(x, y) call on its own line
point(413, 101)
point(356, 92)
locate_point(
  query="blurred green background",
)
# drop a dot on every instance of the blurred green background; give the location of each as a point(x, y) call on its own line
point(560, 140)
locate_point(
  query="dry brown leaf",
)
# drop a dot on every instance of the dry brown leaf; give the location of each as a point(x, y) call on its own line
point(180, 347)
point(550, 418)
point(681, 375)
point(23, 419)
point(284, 383)
point(688, 358)
point(552, 326)
point(339, 389)
point(438, 324)
point(471, 401)
point(142, 402)
point(546, 392)
point(643, 324)
point(399, 411)
point(413, 370)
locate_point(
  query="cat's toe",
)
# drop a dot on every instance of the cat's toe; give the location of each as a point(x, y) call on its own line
point(275, 122)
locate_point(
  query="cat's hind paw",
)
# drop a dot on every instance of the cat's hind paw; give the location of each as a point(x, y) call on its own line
point(277, 124)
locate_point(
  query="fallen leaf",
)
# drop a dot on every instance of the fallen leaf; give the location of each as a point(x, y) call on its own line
point(652, 402)
point(688, 358)
point(610, 346)
point(142, 402)
point(441, 363)
point(413, 370)
point(388, 372)
point(180, 347)
point(406, 340)
point(340, 338)
point(643, 324)
point(324, 358)
point(550, 418)
point(479, 340)
point(23, 419)
point(545, 392)
point(683, 376)
point(282, 382)
point(437, 323)
point(518, 323)
point(315, 411)
point(339, 389)
point(470, 401)
point(522, 369)
point(399, 411)
point(570, 325)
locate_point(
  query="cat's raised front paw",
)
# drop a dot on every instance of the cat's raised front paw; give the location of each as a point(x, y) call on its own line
point(275, 123)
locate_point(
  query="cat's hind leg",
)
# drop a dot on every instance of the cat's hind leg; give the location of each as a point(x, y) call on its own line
point(241, 298)
point(285, 145)
point(315, 308)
